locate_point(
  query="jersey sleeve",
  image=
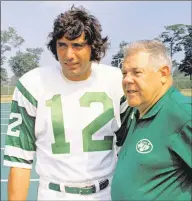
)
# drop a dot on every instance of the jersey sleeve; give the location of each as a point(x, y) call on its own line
point(181, 143)
point(20, 139)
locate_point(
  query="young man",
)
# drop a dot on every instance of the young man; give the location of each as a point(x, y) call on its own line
point(155, 162)
point(68, 116)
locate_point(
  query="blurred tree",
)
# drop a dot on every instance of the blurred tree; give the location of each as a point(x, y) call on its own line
point(23, 62)
point(186, 64)
point(172, 38)
point(9, 39)
point(117, 58)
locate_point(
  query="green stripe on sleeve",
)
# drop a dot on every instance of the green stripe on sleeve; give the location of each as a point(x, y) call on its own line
point(26, 94)
point(21, 142)
point(19, 160)
point(26, 129)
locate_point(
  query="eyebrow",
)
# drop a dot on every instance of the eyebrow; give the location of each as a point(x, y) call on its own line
point(134, 68)
point(83, 42)
point(61, 42)
point(137, 68)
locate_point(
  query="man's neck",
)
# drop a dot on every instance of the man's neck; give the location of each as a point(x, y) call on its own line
point(145, 108)
point(85, 76)
point(81, 77)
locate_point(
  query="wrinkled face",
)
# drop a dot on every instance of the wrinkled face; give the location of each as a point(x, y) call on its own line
point(141, 82)
point(74, 57)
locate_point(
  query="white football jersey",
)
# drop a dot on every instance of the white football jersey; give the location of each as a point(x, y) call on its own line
point(70, 125)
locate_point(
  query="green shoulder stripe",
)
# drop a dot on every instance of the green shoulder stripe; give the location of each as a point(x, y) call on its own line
point(26, 94)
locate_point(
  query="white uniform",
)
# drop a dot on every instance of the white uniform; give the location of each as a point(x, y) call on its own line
point(69, 125)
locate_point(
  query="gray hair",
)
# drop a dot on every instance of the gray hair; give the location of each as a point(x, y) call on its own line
point(159, 54)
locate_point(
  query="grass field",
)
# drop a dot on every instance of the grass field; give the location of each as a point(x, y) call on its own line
point(7, 90)
point(6, 99)
point(187, 92)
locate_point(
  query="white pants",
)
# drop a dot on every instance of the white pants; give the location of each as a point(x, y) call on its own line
point(44, 193)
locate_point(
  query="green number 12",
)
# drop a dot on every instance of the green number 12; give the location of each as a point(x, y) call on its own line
point(61, 146)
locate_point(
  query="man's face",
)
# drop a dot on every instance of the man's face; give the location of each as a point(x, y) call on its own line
point(74, 57)
point(141, 82)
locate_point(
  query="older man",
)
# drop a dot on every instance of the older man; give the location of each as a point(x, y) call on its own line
point(155, 162)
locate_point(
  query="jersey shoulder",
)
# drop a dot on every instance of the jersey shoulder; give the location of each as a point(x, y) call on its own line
point(35, 81)
point(107, 72)
point(106, 68)
point(178, 108)
point(182, 103)
point(41, 73)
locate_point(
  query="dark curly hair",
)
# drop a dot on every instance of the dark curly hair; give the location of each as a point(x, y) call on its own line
point(72, 24)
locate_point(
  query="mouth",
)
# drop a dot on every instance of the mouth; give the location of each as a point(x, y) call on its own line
point(131, 92)
point(71, 65)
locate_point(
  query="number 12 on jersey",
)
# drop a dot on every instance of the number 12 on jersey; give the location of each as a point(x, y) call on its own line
point(61, 146)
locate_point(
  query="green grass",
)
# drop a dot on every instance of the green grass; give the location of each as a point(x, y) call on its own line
point(4, 91)
point(7, 91)
point(186, 92)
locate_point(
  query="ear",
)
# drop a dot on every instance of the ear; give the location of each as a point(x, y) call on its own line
point(165, 73)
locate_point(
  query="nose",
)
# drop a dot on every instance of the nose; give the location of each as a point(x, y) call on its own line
point(128, 79)
point(69, 53)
